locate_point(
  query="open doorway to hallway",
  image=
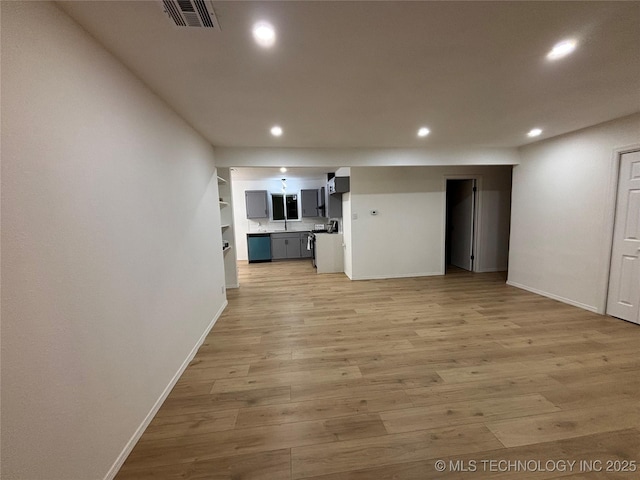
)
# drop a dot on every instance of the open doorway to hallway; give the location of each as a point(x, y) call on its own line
point(461, 224)
point(476, 221)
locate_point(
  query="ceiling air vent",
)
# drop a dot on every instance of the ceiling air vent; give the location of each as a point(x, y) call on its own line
point(191, 13)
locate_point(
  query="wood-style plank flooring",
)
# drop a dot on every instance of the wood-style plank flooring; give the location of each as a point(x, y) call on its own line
point(315, 376)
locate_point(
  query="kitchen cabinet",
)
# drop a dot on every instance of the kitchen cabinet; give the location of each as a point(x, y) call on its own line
point(334, 206)
point(322, 202)
point(338, 185)
point(286, 245)
point(309, 203)
point(330, 199)
point(256, 201)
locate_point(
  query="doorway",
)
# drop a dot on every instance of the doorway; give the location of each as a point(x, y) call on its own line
point(461, 226)
point(623, 300)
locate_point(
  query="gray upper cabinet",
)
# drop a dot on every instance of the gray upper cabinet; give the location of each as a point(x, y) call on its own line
point(338, 185)
point(256, 201)
point(334, 206)
point(322, 202)
point(332, 203)
point(309, 203)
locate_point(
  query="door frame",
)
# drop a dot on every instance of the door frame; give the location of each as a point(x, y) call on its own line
point(477, 224)
point(610, 221)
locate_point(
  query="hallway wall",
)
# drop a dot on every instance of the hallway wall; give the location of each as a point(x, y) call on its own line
point(563, 209)
point(406, 236)
point(111, 250)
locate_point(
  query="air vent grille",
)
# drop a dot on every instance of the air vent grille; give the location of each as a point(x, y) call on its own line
point(204, 14)
point(191, 13)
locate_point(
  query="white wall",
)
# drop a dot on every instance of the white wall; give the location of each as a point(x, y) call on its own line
point(111, 250)
point(243, 225)
point(495, 221)
point(563, 207)
point(346, 234)
point(363, 157)
point(406, 238)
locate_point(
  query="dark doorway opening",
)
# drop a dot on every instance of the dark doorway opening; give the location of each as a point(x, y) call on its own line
point(460, 224)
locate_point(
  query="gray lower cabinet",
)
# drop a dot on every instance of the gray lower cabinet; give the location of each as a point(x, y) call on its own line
point(288, 245)
point(256, 201)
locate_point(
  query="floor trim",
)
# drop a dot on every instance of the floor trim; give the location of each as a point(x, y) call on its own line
point(584, 306)
point(113, 471)
point(399, 275)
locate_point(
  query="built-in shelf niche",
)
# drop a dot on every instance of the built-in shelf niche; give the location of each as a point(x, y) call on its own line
point(225, 201)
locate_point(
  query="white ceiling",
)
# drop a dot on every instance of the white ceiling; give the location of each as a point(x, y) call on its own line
point(273, 173)
point(368, 74)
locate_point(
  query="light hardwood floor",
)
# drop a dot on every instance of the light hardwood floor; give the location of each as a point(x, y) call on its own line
point(315, 376)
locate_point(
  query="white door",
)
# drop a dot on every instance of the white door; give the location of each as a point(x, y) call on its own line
point(461, 228)
point(624, 281)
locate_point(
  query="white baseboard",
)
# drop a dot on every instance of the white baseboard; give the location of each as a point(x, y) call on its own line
point(398, 275)
point(165, 393)
point(584, 306)
point(234, 285)
point(491, 270)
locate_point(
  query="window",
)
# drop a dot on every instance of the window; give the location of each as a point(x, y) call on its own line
point(278, 206)
point(292, 207)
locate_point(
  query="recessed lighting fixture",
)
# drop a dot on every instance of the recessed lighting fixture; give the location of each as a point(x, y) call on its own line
point(264, 34)
point(562, 49)
point(283, 170)
point(276, 131)
point(423, 131)
point(534, 132)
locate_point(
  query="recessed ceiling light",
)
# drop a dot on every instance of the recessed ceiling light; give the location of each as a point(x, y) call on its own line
point(282, 169)
point(276, 131)
point(562, 49)
point(423, 132)
point(534, 132)
point(264, 34)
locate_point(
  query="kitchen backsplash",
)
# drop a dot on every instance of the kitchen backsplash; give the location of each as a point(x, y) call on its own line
point(265, 225)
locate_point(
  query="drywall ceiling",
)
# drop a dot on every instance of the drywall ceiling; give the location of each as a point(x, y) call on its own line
point(368, 74)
